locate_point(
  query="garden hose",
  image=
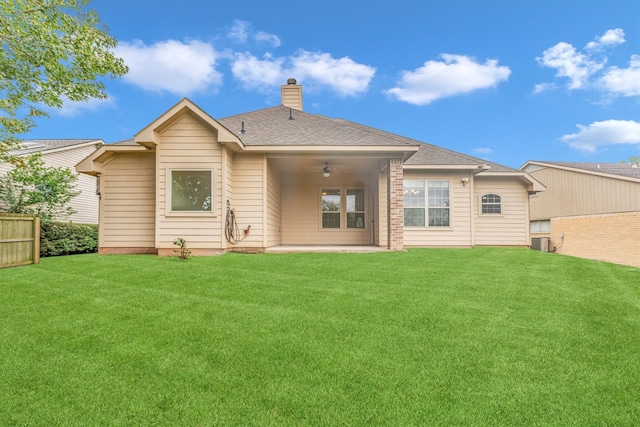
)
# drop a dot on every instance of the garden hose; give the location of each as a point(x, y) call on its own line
point(231, 228)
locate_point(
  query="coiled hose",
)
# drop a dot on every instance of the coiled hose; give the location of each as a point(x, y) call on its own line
point(231, 228)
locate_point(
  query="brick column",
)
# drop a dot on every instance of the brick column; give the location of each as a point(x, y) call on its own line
point(395, 206)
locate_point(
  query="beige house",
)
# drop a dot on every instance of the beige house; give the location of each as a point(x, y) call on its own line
point(283, 177)
point(589, 210)
point(67, 153)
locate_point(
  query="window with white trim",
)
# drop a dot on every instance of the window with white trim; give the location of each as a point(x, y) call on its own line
point(355, 208)
point(491, 204)
point(426, 203)
point(343, 208)
point(331, 208)
point(414, 203)
point(191, 190)
point(540, 226)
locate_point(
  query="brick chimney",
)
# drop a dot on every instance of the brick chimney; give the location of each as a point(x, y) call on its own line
point(291, 94)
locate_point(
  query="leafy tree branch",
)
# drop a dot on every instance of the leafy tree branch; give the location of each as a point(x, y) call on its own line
point(33, 188)
point(52, 51)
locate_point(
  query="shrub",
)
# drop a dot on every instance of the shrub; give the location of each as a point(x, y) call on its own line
point(183, 252)
point(67, 238)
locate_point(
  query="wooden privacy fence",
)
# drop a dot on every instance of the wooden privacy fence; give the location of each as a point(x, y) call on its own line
point(19, 239)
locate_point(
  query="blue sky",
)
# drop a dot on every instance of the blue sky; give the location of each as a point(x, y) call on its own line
point(504, 80)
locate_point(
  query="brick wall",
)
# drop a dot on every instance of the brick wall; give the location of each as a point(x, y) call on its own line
point(395, 205)
point(607, 237)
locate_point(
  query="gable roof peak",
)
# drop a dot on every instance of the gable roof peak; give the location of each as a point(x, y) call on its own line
point(147, 136)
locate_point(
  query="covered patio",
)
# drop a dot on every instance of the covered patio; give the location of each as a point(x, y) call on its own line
point(284, 249)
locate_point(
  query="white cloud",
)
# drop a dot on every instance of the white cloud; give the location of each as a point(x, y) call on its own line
point(455, 74)
point(542, 87)
point(584, 71)
point(610, 38)
point(242, 32)
point(271, 39)
point(257, 73)
point(239, 32)
point(600, 134)
point(483, 150)
point(569, 63)
point(76, 108)
point(623, 81)
point(343, 75)
point(171, 66)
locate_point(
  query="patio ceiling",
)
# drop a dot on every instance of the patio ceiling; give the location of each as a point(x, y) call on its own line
point(337, 165)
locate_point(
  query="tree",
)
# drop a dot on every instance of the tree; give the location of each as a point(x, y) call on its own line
point(51, 51)
point(632, 160)
point(32, 188)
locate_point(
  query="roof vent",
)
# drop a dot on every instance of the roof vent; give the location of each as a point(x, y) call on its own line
point(291, 81)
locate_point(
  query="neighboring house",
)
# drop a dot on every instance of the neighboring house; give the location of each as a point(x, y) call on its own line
point(67, 153)
point(293, 178)
point(589, 210)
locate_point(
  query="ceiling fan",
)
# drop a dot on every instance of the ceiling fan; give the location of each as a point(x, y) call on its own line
point(326, 172)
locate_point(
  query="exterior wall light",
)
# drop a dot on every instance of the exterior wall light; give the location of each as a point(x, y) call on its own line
point(465, 181)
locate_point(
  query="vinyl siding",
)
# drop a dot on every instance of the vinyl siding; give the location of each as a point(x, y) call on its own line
point(274, 206)
point(571, 193)
point(128, 197)
point(511, 227)
point(248, 198)
point(301, 224)
point(188, 144)
point(459, 231)
point(229, 178)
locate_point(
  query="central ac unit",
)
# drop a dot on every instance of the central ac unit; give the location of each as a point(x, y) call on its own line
point(540, 244)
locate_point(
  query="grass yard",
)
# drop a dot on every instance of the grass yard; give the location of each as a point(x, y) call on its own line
point(429, 337)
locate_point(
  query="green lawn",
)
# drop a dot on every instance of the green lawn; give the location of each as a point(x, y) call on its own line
point(447, 337)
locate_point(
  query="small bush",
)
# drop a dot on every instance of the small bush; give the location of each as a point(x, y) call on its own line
point(183, 252)
point(67, 238)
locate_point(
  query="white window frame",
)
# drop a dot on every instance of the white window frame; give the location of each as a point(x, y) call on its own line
point(426, 206)
point(168, 192)
point(540, 226)
point(343, 208)
point(481, 204)
point(423, 208)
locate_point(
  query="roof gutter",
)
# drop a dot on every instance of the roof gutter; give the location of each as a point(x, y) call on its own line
point(92, 165)
point(475, 168)
point(533, 185)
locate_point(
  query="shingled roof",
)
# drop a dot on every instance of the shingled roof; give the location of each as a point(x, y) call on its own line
point(31, 146)
point(621, 169)
point(285, 126)
point(433, 155)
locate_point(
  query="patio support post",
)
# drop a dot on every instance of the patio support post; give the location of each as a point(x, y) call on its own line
point(395, 206)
